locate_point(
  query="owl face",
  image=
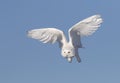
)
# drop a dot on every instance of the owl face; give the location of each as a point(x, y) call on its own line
point(68, 52)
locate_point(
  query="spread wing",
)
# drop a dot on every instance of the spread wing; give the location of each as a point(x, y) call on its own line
point(85, 27)
point(48, 35)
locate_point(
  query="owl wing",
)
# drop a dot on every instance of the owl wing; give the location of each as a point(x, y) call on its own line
point(83, 28)
point(48, 35)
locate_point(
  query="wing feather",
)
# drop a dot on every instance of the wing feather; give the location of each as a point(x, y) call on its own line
point(83, 28)
point(48, 35)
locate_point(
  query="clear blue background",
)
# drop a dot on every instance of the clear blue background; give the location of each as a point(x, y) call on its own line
point(25, 60)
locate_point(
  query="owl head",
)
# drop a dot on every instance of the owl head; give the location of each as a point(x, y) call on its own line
point(68, 53)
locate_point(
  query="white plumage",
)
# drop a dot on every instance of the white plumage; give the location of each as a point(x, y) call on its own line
point(69, 49)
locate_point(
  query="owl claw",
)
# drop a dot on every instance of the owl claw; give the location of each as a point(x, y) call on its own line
point(69, 60)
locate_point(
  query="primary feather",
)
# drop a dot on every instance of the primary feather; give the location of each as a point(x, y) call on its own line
point(83, 28)
point(48, 35)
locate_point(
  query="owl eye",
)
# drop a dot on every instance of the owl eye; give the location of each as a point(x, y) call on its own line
point(68, 52)
point(64, 52)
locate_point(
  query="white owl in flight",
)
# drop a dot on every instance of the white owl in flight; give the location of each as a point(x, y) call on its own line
point(69, 49)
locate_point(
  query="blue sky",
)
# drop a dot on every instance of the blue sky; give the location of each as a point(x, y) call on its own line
point(24, 60)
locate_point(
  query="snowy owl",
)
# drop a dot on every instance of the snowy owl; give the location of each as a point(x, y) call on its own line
point(69, 49)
